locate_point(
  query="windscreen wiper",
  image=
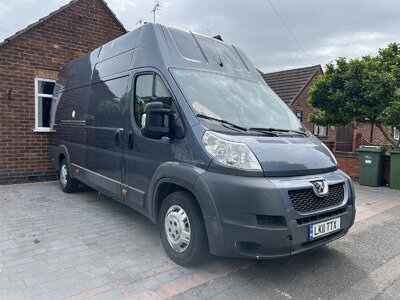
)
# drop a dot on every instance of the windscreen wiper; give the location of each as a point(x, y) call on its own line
point(270, 129)
point(265, 132)
point(221, 121)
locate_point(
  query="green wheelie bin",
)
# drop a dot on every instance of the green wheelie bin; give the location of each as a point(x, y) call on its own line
point(395, 169)
point(371, 165)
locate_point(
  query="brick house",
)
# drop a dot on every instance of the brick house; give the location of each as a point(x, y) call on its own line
point(29, 64)
point(293, 86)
point(366, 133)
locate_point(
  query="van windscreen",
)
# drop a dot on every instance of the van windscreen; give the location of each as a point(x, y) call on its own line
point(246, 103)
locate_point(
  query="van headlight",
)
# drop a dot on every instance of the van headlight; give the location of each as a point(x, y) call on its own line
point(330, 152)
point(231, 154)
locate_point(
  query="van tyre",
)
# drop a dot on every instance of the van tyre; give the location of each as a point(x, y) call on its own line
point(67, 183)
point(182, 229)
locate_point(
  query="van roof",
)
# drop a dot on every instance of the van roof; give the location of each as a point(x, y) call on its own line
point(161, 47)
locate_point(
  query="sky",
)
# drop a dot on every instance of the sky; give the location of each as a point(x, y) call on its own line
point(325, 29)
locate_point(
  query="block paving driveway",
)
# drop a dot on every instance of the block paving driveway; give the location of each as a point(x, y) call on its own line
point(86, 246)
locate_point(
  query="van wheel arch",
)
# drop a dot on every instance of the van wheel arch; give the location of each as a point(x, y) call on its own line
point(63, 154)
point(173, 175)
point(165, 189)
point(61, 157)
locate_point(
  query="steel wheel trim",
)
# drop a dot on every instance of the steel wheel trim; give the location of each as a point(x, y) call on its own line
point(177, 228)
point(63, 175)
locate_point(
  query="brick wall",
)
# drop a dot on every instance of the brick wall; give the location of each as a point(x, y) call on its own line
point(301, 104)
point(41, 52)
point(364, 130)
point(348, 163)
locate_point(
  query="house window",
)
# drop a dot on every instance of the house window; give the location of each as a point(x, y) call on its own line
point(299, 115)
point(43, 95)
point(320, 130)
point(396, 133)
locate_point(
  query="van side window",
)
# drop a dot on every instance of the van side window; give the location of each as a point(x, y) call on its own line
point(147, 86)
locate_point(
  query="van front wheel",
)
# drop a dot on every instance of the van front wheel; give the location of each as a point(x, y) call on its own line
point(67, 183)
point(182, 229)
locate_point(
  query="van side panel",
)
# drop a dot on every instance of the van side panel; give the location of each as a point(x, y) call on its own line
point(78, 72)
point(70, 105)
point(112, 66)
point(120, 45)
point(70, 123)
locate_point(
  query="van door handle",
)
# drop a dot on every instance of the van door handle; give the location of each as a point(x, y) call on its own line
point(130, 139)
point(117, 134)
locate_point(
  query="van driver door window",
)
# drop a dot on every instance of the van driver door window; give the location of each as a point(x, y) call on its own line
point(160, 90)
point(147, 86)
point(143, 93)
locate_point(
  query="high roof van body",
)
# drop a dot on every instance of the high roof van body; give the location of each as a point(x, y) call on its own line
point(182, 128)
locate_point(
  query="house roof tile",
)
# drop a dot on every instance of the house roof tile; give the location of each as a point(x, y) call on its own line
point(289, 83)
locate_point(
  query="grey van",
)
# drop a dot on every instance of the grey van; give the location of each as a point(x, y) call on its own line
point(182, 128)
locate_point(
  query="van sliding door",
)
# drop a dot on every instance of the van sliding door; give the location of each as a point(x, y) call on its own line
point(105, 122)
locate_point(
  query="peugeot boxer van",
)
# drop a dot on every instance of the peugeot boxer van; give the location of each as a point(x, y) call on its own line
point(182, 128)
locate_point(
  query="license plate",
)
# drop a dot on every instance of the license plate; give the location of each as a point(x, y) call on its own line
point(323, 228)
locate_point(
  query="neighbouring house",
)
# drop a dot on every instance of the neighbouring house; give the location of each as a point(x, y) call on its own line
point(366, 133)
point(29, 64)
point(293, 86)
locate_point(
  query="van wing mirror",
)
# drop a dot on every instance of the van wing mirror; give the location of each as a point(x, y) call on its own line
point(157, 120)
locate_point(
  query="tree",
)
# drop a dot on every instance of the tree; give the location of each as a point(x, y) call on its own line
point(360, 89)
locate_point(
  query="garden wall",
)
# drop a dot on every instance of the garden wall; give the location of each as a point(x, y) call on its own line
point(348, 163)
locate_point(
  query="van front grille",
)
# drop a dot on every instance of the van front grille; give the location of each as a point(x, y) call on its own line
point(305, 200)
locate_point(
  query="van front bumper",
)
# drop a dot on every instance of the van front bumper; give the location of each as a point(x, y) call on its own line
point(258, 220)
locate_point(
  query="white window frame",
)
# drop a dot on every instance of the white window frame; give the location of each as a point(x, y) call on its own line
point(299, 115)
point(317, 130)
point(37, 95)
point(396, 133)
